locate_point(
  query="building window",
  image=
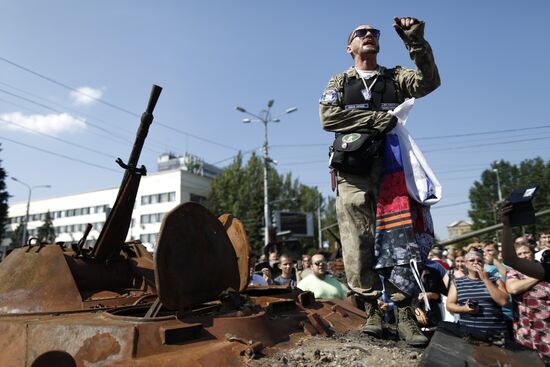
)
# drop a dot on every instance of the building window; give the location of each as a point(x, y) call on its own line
point(158, 198)
point(197, 198)
point(151, 218)
point(148, 238)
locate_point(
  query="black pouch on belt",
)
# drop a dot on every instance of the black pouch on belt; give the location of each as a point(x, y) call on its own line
point(355, 152)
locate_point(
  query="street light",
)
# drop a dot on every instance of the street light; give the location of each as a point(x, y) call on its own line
point(495, 170)
point(498, 185)
point(29, 187)
point(265, 118)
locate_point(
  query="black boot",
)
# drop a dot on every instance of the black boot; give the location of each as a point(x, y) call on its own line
point(373, 326)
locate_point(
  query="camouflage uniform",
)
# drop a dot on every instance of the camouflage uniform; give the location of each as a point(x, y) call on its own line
point(357, 194)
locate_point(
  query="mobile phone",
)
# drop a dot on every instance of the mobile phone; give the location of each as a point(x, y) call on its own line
point(472, 303)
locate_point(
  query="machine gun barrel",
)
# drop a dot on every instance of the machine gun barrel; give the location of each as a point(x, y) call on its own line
point(118, 222)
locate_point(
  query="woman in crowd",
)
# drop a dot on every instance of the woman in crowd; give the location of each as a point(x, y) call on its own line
point(532, 304)
point(457, 271)
point(477, 298)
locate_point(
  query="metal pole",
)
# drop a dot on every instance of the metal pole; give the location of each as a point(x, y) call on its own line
point(265, 119)
point(498, 185)
point(26, 224)
point(24, 234)
point(319, 222)
point(266, 190)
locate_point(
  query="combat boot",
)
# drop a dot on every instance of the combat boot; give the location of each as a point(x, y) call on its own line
point(373, 326)
point(407, 326)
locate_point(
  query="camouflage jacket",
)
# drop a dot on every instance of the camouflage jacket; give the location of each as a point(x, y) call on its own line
point(408, 83)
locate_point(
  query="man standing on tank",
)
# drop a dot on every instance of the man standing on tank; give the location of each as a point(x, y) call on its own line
point(358, 99)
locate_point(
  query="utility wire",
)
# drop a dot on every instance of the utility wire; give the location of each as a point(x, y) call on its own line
point(101, 135)
point(116, 126)
point(59, 155)
point(486, 144)
point(58, 139)
point(483, 133)
point(102, 101)
point(42, 76)
point(426, 137)
point(110, 133)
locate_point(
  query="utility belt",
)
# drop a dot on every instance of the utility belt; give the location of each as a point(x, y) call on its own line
point(355, 152)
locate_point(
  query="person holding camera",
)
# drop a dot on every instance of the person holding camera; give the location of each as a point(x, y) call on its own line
point(477, 297)
point(356, 105)
point(533, 269)
point(532, 305)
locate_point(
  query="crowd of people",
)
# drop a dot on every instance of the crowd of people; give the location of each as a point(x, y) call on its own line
point(473, 286)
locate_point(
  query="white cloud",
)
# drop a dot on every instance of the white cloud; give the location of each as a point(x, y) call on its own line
point(85, 96)
point(49, 124)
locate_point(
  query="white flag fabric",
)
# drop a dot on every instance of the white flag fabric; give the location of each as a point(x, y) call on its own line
point(422, 184)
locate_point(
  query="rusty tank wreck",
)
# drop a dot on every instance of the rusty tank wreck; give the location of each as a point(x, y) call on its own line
point(187, 304)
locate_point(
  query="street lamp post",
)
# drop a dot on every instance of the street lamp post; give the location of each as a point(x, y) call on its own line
point(499, 190)
point(265, 118)
point(498, 185)
point(29, 187)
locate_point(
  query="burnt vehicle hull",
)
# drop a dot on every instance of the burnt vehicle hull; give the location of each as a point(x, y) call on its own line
point(204, 336)
point(188, 304)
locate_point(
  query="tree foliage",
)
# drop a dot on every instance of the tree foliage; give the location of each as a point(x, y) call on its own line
point(239, 190)
point(3, 202)
point(46, 232)
point(484, 193)
point(17, 236)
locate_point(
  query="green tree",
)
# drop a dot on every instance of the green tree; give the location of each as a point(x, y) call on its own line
point(17, 236)
point(484, 193)
point(46, 232)
point(3, 202)
point(239, 190)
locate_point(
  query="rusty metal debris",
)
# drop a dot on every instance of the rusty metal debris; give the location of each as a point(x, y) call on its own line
point(187, 305)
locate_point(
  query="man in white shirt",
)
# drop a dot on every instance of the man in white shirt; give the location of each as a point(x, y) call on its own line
point(323, 285)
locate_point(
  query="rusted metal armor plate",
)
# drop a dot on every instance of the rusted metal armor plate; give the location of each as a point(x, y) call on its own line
point(194, 259)
point(37, 280)
point(237, 234)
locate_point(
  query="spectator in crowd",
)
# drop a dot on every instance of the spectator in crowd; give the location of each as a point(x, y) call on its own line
point(322, 284)
point(532, 300)
point(287, 277)
point(266, 274)
point(478, 298)
point(496, 268)
point(492, 265)
point(457, 271)
point(306, 267)
point(432, 280)
point(544, 240)
point(273, 259)
point(436, 255)
point(449, 257)
point(532, 269)
point(255, 279)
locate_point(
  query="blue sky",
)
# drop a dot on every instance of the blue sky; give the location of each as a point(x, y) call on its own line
point(210, 56)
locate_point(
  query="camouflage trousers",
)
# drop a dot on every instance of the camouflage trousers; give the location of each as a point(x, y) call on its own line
point(356, 210)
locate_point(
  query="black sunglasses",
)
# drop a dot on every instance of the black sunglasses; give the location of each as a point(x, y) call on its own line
point(362, 33)
point(319, 263)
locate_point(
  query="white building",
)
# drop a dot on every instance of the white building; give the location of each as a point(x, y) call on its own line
point(179, 180)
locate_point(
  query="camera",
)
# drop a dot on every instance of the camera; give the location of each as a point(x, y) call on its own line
point(522, 212)
point(472, 303)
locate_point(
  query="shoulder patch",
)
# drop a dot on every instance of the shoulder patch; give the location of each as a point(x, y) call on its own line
point(329, 96)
